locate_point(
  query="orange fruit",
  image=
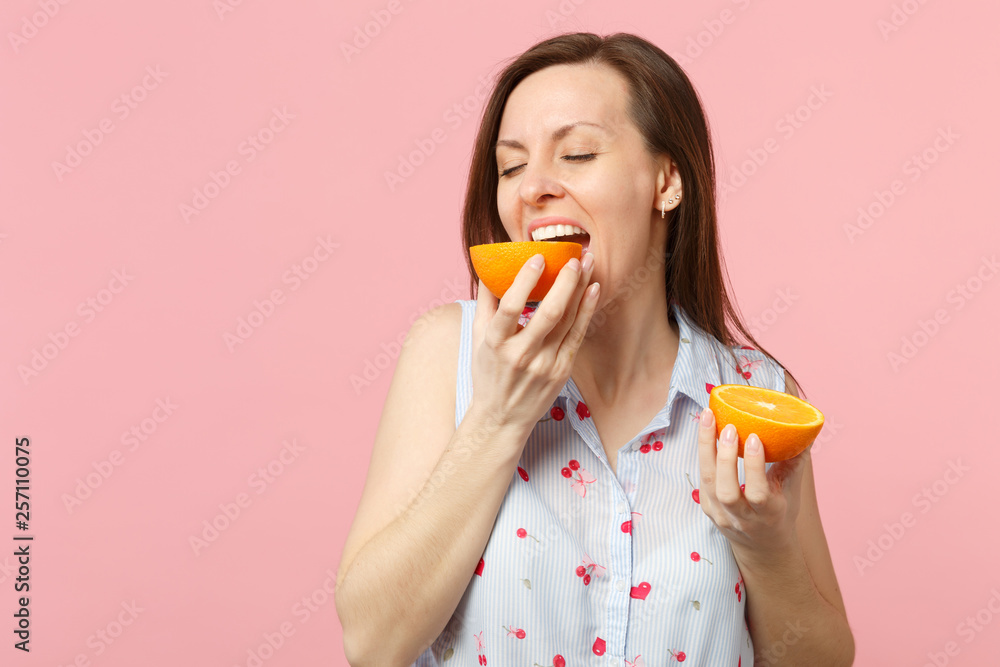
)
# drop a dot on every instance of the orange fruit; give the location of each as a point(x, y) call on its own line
point(785, 424)
point(497, 264)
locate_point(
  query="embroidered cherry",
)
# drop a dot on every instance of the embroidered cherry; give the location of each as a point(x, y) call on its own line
point(580, 570)
point(582, 411)
point(743, 487)
point(558, 661)
point(681, 657)
point(566, 472)
point(574, 464)
point(557, 413)
point(514, 632)
point(645, 448)
point(695, 556)
point(586, 580)
point(522, 533)
point(657, 446)
point(479, 568)
point(523, 473)
point(694, 494)
point(599, 646)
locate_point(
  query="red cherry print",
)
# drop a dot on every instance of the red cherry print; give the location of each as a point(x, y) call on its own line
point(694, 494)
point(557, 413)
point(709, 387)
point(586, 580)
point(746, 374)
point(582, 411)
point(522, 533)
point(740, 662)
point(657, 446)
point(695, 556)
point(645, 448)
point(680, 656)
point(627, 527)
point(479, 568)
point(520, 634)
point(523, 473)
point(743, 487)
point(599, 646)
point(737, 587)
point(482, 659)
point(580, 570)
point(558, 661)
point(566, 472)
point(574, 464)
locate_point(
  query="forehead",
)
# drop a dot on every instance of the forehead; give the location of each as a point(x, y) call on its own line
point(560, 94)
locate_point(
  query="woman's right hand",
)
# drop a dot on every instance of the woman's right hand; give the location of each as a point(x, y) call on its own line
point(518, 371)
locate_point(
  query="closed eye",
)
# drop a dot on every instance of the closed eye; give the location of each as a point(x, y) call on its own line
point(575, 158)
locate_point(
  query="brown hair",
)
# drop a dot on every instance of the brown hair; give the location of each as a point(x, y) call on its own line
point(666, 109)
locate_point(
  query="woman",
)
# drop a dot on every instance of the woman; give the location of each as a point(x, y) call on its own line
point(575, 503)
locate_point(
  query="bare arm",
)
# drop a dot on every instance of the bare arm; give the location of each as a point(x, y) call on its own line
point(398, 585)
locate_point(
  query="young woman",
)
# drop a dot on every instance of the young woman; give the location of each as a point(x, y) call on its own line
point(546, 487)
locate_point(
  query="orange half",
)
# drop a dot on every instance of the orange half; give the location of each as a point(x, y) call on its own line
point(497, 264)
point(786, 425)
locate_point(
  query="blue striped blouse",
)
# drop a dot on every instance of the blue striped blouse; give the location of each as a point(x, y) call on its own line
point(584, 567)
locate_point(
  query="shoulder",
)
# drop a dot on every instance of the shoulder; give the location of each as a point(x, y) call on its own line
point(438, 326)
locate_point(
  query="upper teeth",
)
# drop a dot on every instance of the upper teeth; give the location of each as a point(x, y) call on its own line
point(552, 231)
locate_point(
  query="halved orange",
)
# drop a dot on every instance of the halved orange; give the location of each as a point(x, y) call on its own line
point(497, 264)
point(785, 424)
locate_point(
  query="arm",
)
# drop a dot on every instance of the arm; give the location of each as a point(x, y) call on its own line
point(795, 610)
point(428, 507)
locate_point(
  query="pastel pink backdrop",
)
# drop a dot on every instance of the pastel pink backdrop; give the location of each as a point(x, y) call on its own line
point(313, 194)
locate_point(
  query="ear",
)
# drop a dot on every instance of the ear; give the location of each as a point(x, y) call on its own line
point(668, 182)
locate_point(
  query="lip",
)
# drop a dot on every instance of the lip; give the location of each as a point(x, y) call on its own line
point(553, 220)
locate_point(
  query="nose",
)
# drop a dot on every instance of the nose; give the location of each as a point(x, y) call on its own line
point(538, 182)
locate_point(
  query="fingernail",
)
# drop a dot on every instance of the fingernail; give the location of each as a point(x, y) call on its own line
point(729, 435)
point(573, 264)
point(706, 418)
point(753, 444)
point(588, 261)
point(537, 261)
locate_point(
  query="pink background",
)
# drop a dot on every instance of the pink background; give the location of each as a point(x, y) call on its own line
point(390, 253)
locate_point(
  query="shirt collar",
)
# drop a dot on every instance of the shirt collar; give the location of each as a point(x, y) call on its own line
point(696, 369)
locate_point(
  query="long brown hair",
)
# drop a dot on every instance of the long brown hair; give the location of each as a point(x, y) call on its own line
point(666, 109)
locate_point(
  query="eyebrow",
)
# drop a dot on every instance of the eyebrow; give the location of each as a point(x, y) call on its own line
point(556, 136)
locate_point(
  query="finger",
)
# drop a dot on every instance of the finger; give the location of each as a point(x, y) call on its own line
point(576, 293)
point(581, 323)
point(516, 297)
point(706, 455)
point(727, 483)
point(758, 490)
point(556, 310)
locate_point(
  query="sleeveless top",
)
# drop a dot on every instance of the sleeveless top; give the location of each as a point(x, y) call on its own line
point(586, 567)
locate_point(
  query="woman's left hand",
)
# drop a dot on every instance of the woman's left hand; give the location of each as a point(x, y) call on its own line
point(759, 519)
